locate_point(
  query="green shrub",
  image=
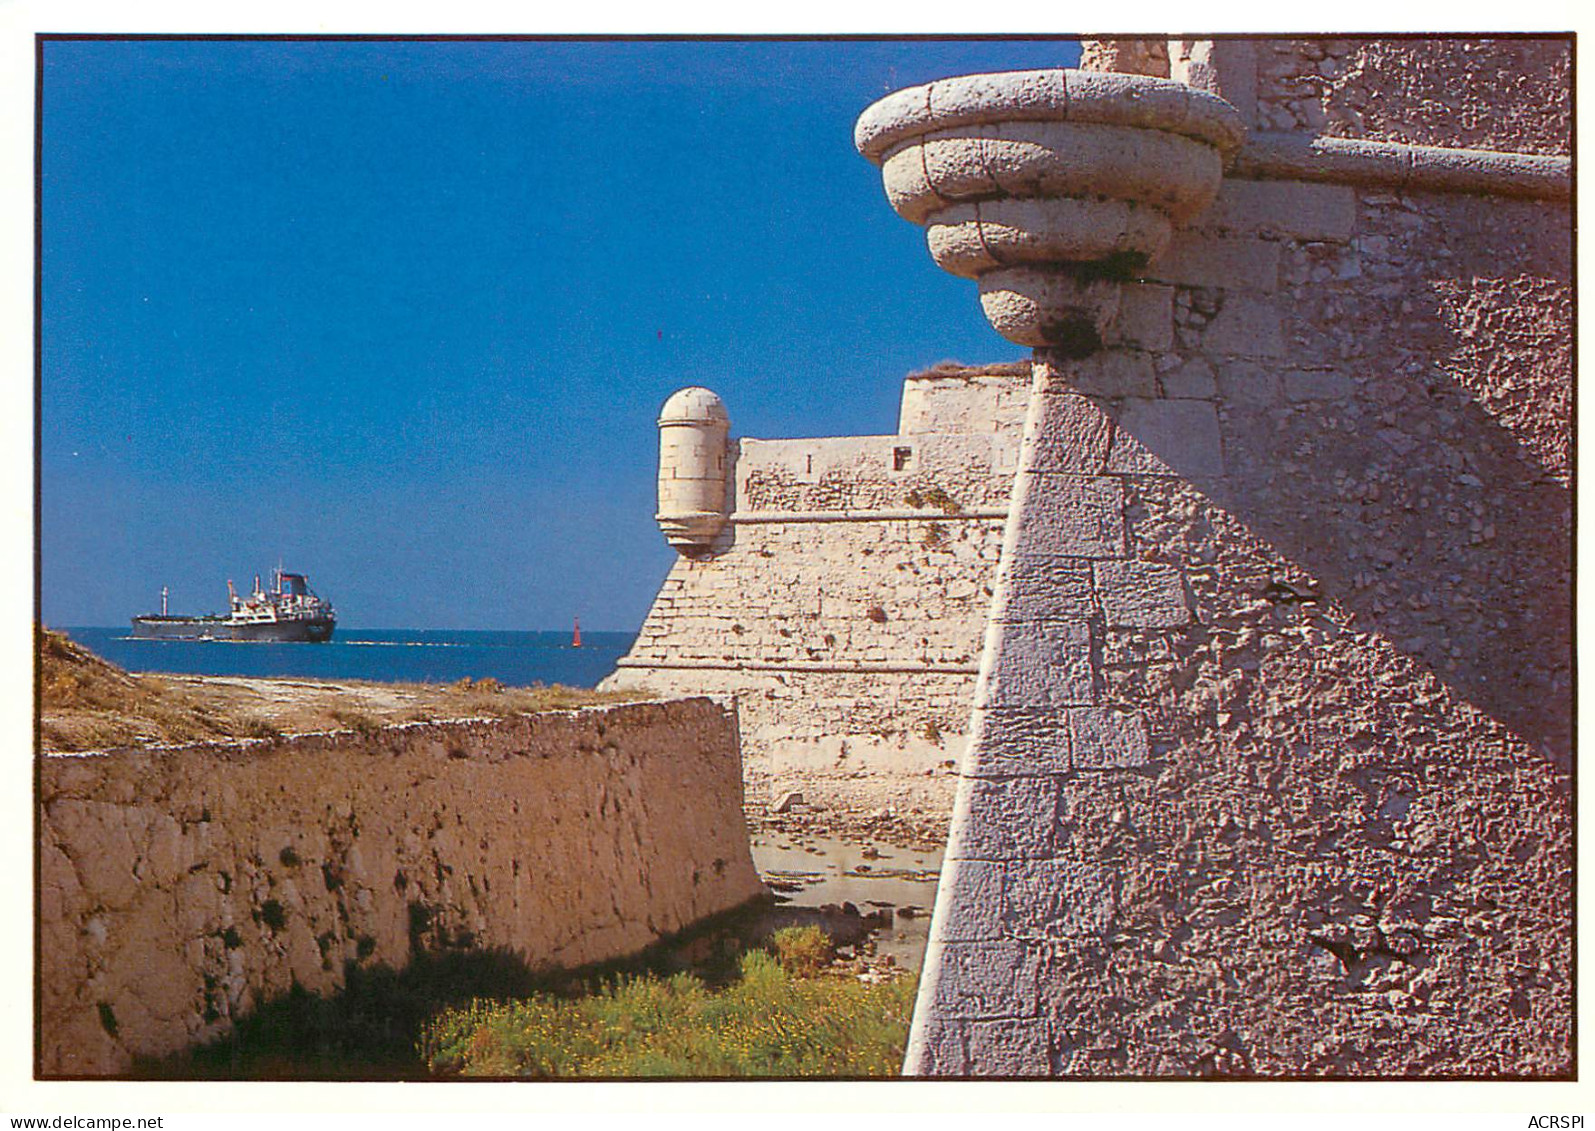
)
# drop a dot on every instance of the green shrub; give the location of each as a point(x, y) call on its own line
point(803, 951)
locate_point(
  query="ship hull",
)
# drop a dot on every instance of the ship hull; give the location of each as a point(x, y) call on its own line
point(221, 628)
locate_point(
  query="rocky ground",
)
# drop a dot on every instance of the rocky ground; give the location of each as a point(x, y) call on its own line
point(863, 820)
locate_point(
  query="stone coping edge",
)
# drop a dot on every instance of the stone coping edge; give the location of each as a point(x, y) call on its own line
point(861, 666)
point(1289, 156)
point(1053, 94)
point(753, 517)
point(241, 745)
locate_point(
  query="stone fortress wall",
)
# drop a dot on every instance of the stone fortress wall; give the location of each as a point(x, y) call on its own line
point(180, 888)
point(844, 600)
point(1271, 755)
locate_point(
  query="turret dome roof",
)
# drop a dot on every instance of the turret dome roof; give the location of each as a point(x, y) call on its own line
point(695, 404)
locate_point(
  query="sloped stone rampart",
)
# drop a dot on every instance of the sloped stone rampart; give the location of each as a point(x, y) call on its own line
point(181, 887)
point(1270, 765)
point(845, 603)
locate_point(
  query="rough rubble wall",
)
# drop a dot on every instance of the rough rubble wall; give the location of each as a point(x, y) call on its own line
point(1511, 95)
point(180, 888)
point(1271, 766)
point(846, 601)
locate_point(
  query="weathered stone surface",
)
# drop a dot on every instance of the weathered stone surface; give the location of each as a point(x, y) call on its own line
point(1107, 738)
point(986, 980)
point(1194, 379)
point(976, 911)
point(1286, 209)
point(224, 874)
point(1069, 516)
point(1046, 588)
point(1072, 433)
point(1167, 437)
point(1201, 259)
point(1146, 317)
point(1245, 327)
point(1046, 95)
point(1007, 742)
point(1141, 594)
point(1066, 897)
point(1016, 819)
point(1010, 1047)
point(1318, 385)
point(1036, 664)
point(970, 239)
point(1125, 56)
point(1025, 176)
point(1035, 306)
point(1111, 373)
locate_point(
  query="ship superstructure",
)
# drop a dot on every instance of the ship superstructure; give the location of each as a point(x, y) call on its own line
point(287, 612)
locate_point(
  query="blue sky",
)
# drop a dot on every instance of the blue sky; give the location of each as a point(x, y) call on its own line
point(402, 314)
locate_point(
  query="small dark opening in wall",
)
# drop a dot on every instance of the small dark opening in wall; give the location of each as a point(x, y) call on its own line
point(900, 458)
point(809, 469)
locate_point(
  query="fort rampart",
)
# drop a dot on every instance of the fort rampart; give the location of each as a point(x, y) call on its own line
point(845, 598)
point(1270, 761)
point(181, 887)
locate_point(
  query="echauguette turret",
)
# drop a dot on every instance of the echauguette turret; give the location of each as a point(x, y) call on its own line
point(693, 426)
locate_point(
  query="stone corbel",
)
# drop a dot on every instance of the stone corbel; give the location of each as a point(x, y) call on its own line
point(1050, 188)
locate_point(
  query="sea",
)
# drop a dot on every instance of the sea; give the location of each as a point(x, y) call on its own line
point(516, 659)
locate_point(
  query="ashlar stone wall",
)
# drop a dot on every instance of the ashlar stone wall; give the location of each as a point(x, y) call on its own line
point(845, 602)
point(1270, 771)
point(181, 887)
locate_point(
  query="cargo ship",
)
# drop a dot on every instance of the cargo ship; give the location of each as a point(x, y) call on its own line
point(286, 613)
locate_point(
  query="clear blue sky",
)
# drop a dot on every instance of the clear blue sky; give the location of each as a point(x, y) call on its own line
point(402, 314)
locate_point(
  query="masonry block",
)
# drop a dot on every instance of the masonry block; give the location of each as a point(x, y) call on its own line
point(1015, 743)
point(1007, 819)
point(1289, 209)
point(1206, 259)
point(1045, 588)
point(1167, 437)
point(1246, 382)
point(1108, 373)
point(1052, 899)
point(1146, 316)
point(974, 913)
point(1141, 594)
point(1071, 435)
point(1069, 516)
point(1192, 380)
point(1037, 664)
point(994, 980)
point(1105, 738)
point(1245, 326)
point(1010, 1047)
point(940, 1046)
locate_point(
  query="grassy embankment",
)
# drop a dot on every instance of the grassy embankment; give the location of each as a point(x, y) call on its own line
point(89, 703)
point(741, 1009)
point(785, 1015)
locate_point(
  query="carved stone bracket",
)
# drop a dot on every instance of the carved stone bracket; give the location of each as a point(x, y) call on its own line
point(1050, 187)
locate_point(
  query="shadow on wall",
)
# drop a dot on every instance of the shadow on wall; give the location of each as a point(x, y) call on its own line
point(368, 1030)
point(1377, 460)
